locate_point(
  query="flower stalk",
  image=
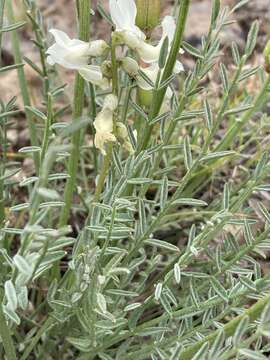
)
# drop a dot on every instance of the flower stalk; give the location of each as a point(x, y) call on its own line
point(84, 34)
point(168, 70)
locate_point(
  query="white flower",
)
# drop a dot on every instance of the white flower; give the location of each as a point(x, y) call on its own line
point(123, 13)
point(93, 74)
point(168, 26)
point(104, 123)
point(74, 54)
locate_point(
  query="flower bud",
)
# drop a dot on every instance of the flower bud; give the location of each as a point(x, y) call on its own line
point(266, 55)
point(148, 14)
point(145, 97)
point(106, 69)
point(130, 66)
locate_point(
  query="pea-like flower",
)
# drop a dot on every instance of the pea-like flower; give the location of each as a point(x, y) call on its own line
point(75, 54)
point(123, 13)
point(168, 30)
point(104, 123)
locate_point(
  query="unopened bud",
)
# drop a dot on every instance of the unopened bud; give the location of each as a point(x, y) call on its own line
point(148, 14)
point(106, 69)
point(130, 66)
point(266, 55)
point(145, 97)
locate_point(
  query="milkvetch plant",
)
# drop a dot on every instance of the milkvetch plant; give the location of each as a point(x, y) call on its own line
point(143, 232)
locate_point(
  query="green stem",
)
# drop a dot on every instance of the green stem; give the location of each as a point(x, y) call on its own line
point(84, 34)
point(253, 313)
point(6, 337)
point(46, 137)
point(168, 70)
point(23, 83)
point(46, 325)
point(2, 7)
point(238, 125)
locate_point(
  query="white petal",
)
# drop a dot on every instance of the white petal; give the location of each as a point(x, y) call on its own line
point(148, 53)
point(91, 73)
point(178, 67)
point(60, 37)
point(50, 60)
point(129, 9)
point(117, 16)
point(168, 27)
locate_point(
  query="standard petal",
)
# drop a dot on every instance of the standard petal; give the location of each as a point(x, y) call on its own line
point(60, 37)
point(178, 67)
point(168, 27)
point(129, 10)
point(117, 16)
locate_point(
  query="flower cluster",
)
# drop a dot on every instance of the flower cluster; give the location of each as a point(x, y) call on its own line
point(80, 56)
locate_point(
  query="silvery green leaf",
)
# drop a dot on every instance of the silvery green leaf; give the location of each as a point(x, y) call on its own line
point(219, 289)
point(131, 307)
point(158, 291)
point(224, 78)
point(28, 181)
point(192, 50)
point(177, 273)
point(13, 27)
point(240, 330)
point(189, 202)
point(124, 293)
point(11, 315)
point(187, 153)
point(202, 353)
point(208, 114)
point(36, 112)
point(23, 297)
point(19, 207)
point(217, 345)
point(22, 265)
point(252, 38)
point(162, 244)
point(30, 149)
point(82, 344)
point(252, 355)
point(48, 194)
point(163, 53)
point(101, 302)
point(11, 296)
point(217, 155)
point(51, 257)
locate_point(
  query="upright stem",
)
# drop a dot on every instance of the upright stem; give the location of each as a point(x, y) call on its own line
point(84, 34)
point(6, 337)
point(22, 82)
point(168, 70)
point(238, 125)
point(2, 7)
point(253, 313)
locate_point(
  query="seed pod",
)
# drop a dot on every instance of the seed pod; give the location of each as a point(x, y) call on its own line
point(148, 14)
